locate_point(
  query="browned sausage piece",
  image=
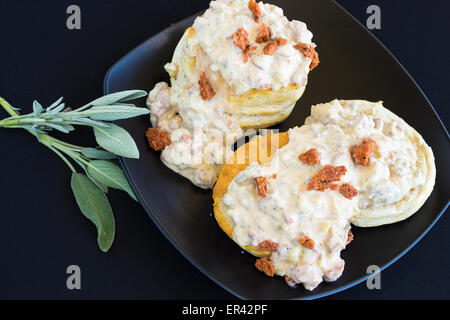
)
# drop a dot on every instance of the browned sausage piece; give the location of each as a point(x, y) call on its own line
point(240, 38)
point(263, 264)
point(349, 237)
point(157, 139)
point(270, 48)
point(310, 157)
point(281, 41)
point(332, 186)
point(322, 180)
point(255, 9)
point(309, 51)
point(348, 191)
point(263, 35)
point(261, 184)
point(248, 52)
point(268, 245)
point(306, 242)
point(206, 91)
point(289, 281)
point(363, 151)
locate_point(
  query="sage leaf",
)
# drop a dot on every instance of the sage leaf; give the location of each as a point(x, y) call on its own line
point(100, 185)
point(89, 122)
point(54, 104)
point(56, 109)
point(116, 140)
point(118, 97)
point(109, 174)
point(114, 112)
point(95, 206)
point(66, 128)
point(37, 108)
point(98, 154)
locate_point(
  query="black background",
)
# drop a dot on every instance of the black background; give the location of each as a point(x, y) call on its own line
point(42, 231)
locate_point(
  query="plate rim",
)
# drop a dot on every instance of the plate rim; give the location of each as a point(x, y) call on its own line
point(179, 246)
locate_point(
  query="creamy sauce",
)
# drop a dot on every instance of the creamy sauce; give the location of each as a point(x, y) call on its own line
point(392, 171)
point(214, 35)
point(203, 131)
point(289, 212)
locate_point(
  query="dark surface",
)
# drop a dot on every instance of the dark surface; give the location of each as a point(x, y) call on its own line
point(42, 230)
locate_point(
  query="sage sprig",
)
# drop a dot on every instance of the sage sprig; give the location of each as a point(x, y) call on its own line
point(99, 164)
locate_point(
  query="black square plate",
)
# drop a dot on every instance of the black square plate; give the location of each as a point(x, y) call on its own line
point(354, 65)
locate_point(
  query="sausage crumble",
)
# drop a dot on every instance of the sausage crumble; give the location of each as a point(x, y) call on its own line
point(289, 281)
point(270, 48)
point(261, 184)
point(363, 151)
point(306, 242)
point(240, 38)
point(349, 237)
point(309, 51)
point(310, 157)
point(281, 41)
point(268, 245)
point(157, 139)
point(248, 52)
point(255, 9)
point(348, 191)
point(263, 35)
point(206, 91)
point(324, 178)
point(263, 264)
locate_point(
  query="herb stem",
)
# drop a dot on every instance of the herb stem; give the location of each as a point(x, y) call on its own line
point(82, 108)
point(62, 157)
point(9, 122)
point(16, 121)
point(8, 108)
point(65, 144)
point(78, 123)
point(74, 155)
point(46, 140)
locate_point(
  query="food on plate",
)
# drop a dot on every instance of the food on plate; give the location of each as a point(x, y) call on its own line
point(242, 65)
point(395, 166)
point(290, 198)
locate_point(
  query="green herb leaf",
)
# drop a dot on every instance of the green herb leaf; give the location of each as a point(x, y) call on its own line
point(89, 188)
point(90, 122)
point(114, 112)
point(100, 185)
point(37, 108)
point(54, 104)
point(98, 154)
point(55, 109)
point(95, 206)
point(66, 128)
point(109, 174)
point(118, 97)
point(116, 140)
